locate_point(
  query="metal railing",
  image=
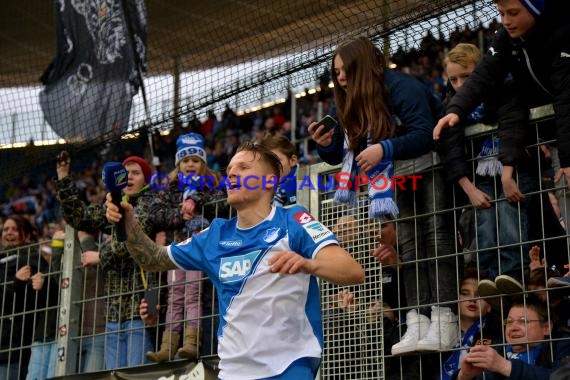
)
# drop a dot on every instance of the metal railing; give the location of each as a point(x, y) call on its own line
point(357, 344)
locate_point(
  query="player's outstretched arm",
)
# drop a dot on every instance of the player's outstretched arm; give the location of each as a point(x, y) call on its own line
point(336, 265)
point(143, 250)
point(332, 263)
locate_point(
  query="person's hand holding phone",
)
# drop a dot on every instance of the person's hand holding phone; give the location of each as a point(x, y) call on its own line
point(322, 131)
point(148, 308)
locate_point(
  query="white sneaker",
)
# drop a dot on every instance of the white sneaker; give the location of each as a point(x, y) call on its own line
point(443, 333)
point(417, 328)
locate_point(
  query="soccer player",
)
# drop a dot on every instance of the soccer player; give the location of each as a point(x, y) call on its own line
point(264, 264)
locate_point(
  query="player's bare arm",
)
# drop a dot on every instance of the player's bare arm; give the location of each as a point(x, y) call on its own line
point(332, 264)
point(145, 252)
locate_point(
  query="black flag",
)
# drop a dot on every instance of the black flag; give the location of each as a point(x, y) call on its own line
point(101, 55)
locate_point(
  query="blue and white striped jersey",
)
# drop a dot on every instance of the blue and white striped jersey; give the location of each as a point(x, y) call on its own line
point(267, 320)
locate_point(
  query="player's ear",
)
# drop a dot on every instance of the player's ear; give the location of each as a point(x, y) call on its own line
point(293, 160)
point(271, 182)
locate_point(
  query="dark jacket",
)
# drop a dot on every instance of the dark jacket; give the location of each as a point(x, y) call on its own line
point(540, 71)
point(19, 300)
point(414, 110)
point(545, 366)
point(500, 107)
point(46, 316)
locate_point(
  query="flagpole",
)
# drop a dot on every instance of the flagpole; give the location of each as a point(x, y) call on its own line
point(147, 123)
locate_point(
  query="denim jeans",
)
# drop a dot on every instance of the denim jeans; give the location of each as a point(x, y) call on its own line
point(10, 370)
point(502, 230)
point(92, 353)
point(127, 344)
point(427, 237)
point(42, 361)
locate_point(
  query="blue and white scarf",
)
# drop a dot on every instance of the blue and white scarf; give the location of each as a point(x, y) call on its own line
point(286, 192)
point(380, 187)
point(451, 365)
point(487, 162)
point(528, 357)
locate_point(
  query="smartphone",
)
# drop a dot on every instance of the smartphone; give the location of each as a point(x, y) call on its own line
point(328, 122)
point(151, 298)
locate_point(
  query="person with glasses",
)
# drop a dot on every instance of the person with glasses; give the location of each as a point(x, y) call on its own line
point(527, 355)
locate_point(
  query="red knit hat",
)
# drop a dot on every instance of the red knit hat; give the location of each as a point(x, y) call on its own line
point(143, 164)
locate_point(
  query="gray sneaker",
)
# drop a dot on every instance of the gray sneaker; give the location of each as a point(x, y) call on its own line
point(489, 293)
point(487, 288)
point(508, 285)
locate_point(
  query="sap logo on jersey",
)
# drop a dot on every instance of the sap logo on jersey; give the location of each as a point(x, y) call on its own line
point(235, 268)
point(317, 231)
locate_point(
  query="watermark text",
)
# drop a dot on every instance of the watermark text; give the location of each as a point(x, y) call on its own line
point(339, 181)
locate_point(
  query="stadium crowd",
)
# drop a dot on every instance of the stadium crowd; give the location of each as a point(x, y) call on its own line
point(447, 321)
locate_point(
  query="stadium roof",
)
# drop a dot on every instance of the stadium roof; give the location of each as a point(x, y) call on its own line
point(208, 33)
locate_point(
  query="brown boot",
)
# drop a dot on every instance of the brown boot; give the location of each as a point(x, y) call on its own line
point(167, 348)
point(189, 349)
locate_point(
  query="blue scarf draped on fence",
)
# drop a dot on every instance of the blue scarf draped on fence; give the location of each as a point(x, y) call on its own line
point(488, 163)
point(380, 187)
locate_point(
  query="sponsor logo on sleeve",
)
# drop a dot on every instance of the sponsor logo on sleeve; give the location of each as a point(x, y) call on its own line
point(303, 217)
point(236, 268)
point(231, 243)
point(317, 231)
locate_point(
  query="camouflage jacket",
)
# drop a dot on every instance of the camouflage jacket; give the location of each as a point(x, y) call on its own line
point(124, 280)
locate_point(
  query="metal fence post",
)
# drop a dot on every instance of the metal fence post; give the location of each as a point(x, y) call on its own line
point(69, 312)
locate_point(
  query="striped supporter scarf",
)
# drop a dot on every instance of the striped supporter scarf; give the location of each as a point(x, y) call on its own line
point(380, 187)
